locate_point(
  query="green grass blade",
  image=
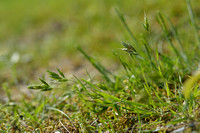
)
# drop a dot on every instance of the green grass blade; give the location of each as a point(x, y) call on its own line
point(121, 17)
point(39, 108)
point(191, 15)
point(60, 72)
point(97, 65)
point(149, 54)
point(175, 34)
point(163, 25)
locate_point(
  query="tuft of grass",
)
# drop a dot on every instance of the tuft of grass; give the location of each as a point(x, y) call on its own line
point(153, 91)
point(147, 96)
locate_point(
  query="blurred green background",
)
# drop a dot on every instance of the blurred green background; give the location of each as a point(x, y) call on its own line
point(39, 35)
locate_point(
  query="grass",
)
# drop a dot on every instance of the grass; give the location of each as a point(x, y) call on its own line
point(154, 89)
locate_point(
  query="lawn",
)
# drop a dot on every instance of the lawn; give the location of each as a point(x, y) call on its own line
point(99, 66)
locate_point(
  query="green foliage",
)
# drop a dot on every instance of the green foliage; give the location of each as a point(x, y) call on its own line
point(153, 91)
point(55, 76)
point(42, 87)
point(45, 86)
point(129, 49)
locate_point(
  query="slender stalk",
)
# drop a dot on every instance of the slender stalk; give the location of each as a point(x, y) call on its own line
point(191, 15)
point(121, 17)
point(175, 34)
point(97, 65)
point(162, 23)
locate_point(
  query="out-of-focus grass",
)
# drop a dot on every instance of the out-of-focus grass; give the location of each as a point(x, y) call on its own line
point(42, 31)
point(67, 23)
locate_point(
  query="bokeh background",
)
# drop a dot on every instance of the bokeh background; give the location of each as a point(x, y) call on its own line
point(36, 35)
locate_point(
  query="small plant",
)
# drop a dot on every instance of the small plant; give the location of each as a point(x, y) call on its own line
point(45, 86)
point(154, 93)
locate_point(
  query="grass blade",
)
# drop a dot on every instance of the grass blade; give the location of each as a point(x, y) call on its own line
point(50, 108)
point(121, 17)
point(163, 25)
point(97, 65)
point(191, 15)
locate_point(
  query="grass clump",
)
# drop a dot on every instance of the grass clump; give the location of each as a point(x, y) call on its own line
point(155, 91)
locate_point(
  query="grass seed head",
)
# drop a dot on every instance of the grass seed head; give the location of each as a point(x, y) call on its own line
point(129, 48)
